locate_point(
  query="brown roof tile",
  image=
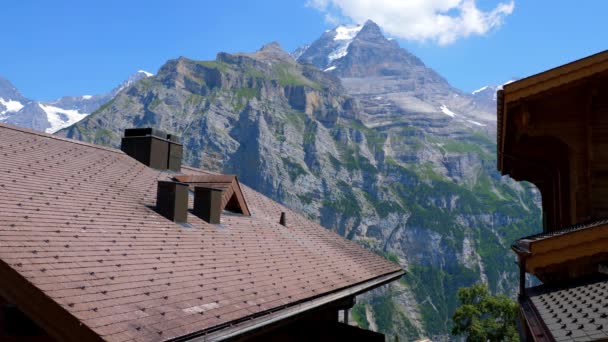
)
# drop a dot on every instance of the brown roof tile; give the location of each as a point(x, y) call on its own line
point(78, 222)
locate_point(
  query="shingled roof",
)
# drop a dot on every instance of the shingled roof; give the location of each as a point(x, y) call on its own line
point(577, 312)
point(84, 253)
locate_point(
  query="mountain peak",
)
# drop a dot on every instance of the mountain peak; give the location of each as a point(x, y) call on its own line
point(272, 50)
point(361, 51)
point(9, 92)
point(140, 74)
point(371, 25)
point(371, 31)
point(272, 46)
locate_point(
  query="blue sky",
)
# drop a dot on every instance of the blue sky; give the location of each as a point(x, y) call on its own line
point(53, 48)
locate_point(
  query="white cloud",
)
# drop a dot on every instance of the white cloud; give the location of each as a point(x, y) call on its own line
point(441, 21)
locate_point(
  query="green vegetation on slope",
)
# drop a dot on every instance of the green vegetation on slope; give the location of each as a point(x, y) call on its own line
point(482, 317)
point(359, 316)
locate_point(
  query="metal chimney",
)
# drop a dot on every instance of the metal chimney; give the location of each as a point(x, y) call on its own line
point(172, 200)
point(153, 148)
point(208, 204)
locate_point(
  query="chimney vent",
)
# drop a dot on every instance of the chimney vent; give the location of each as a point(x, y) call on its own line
point(208, 204)
point(172, 200)
point(283, 220)
point(153, 148)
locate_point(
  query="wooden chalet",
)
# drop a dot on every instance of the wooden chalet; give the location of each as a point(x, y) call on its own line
point(553, 132)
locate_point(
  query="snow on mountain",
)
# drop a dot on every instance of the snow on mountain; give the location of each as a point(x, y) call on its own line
point(369, 63)
point(140, 74)
point(60, 118)
point(487, 93)
point(479, 90)
point(344, 35)
point(53, 116)
point(476, 123)
point(445, 110)
point(299, 51)
point(10, 105)
point(148, 74)
point(347, 32)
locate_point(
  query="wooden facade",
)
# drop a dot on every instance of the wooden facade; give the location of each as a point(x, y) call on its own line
point(553, 132)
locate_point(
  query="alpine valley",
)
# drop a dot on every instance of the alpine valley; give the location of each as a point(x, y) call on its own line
point(356, 133)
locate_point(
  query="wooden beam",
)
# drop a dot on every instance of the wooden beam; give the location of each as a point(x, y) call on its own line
point(557, 256)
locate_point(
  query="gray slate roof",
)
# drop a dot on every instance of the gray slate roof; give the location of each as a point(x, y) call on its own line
point(574, 313)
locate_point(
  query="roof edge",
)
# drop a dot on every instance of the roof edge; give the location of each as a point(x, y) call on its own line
point(51, 136)
point(558, 71)
point(49, 314)
point(238, 185)
point(540, 332)
point(250, 323)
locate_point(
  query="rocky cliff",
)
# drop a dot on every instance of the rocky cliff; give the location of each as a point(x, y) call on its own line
point(392, 157)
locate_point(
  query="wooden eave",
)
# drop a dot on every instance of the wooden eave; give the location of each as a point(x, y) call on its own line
point(562, 247)
point(540, 83)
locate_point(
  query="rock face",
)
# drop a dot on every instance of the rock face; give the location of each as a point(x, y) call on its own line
point(50, 117)
point(386, 156)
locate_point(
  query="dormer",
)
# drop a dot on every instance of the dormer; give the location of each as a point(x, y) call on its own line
point(214, 194)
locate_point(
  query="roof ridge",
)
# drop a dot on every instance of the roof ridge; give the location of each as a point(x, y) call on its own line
point(51, 136)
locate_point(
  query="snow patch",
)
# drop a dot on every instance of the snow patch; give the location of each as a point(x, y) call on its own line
point(347, 32)
point(476, 123)
point(148, 74)
point(344, 36)
point(447, 111)
point(330, 68)
point(338, 53)
point(87, 97)
point(11, 105)
point(479, 90)
point(60, 118)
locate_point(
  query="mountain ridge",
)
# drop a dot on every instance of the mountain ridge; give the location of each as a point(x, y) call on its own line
point(51, 116)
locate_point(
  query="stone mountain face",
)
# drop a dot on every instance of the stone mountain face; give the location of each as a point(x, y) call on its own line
point(363, 51)
point(11, 99)
point(378, 71)
point(387, 159)
point(9, 92)
point(52, 116)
